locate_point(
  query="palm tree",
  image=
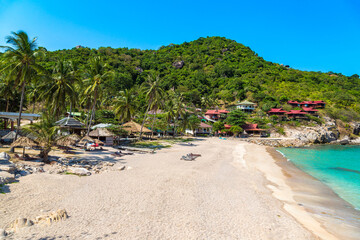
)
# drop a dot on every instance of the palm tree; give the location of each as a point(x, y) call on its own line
point(19, 61)
point(45, 133)
point(59, 87)
point(125, 105)
point(7, 92)
point(97, 74)
point(154, 96)
point(179, 108)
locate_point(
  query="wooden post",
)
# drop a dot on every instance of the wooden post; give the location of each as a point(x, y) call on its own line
point(12, 126)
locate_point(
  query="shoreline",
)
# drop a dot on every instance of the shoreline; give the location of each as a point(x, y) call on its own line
point(313, 204)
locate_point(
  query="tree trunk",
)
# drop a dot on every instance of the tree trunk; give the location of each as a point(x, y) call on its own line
point(152, 126)
point(20, 110)
point(33, 109)
point(92, 112)
point(143, 122)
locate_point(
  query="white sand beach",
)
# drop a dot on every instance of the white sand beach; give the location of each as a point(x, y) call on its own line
point(233, 191)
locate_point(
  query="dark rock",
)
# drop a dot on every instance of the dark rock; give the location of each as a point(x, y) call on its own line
point(178, 64)
point(139, 69)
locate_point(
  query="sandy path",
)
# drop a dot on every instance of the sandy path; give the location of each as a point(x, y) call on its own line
point(218, 196)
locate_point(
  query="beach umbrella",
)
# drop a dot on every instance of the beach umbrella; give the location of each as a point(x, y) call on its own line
point(24, 142)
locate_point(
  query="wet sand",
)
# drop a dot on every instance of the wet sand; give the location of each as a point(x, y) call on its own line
point(336, 215)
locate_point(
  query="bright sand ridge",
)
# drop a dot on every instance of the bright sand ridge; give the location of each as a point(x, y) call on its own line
point(221, 195)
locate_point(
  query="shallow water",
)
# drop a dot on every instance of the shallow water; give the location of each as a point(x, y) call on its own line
point(336, 166)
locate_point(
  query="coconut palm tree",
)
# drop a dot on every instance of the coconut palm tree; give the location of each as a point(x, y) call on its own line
point(97, 75)
point(154, 95)
point(179, 109)
point(45, 133)
point(59, 89)
point(125, 105)
point(19, 62)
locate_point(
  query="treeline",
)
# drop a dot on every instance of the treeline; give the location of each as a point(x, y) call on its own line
point(203, 72)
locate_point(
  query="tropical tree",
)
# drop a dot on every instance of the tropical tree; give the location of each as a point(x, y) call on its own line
point(154, 95)
point(236, 130)
point(45, 133)
point(236, 118)
point(97, 74)
point(7, 92)
point(194, 123)
point(59, 88)
point(218, 126)
point(179, 110)
point(19, 63)
point(125, 105)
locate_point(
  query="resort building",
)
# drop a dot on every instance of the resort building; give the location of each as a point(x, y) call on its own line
point(71, 125)
point(310, 111)
point(216, 114)
point(293, 103)
point(297, 114)
point(202, 129)
point(13, 117)
point(103, 135)
point(246, 106)
point(252, 129)
point(313, 104)
point(277, 112)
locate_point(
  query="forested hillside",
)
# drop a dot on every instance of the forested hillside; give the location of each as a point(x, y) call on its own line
point(217, 68)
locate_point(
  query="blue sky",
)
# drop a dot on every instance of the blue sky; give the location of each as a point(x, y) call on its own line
point(312, 35)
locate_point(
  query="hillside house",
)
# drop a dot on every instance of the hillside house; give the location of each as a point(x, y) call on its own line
point(277, 112)
point(297, 114)
point(293, 103)
point(311, 111)
point(246, 106)
point(313, 104)
point(215, 114)
point(252, 129)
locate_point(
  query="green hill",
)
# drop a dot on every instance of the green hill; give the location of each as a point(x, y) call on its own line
point(221, 69)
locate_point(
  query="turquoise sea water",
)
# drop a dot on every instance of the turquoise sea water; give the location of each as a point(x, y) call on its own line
point(336, 166)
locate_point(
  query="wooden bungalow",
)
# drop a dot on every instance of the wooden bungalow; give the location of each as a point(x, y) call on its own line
point(71, 125)
point(311, 111)
point(203, 129)
point(297, 114)
point(277, 112)
point(103, 135)
point(215, 114)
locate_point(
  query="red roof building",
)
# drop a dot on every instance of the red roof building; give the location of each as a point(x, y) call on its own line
point(215, 114)
point(277, 112)
point(296, 114)
point(314, 104)
point(310, 110)
point(252, 128)
point(294, 103)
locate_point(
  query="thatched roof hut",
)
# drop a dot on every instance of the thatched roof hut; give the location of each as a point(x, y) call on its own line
point(101, 132)
point(133, 127)
point(87, 139)
point(68, 140)
point(104, 135)
point(24, 142)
